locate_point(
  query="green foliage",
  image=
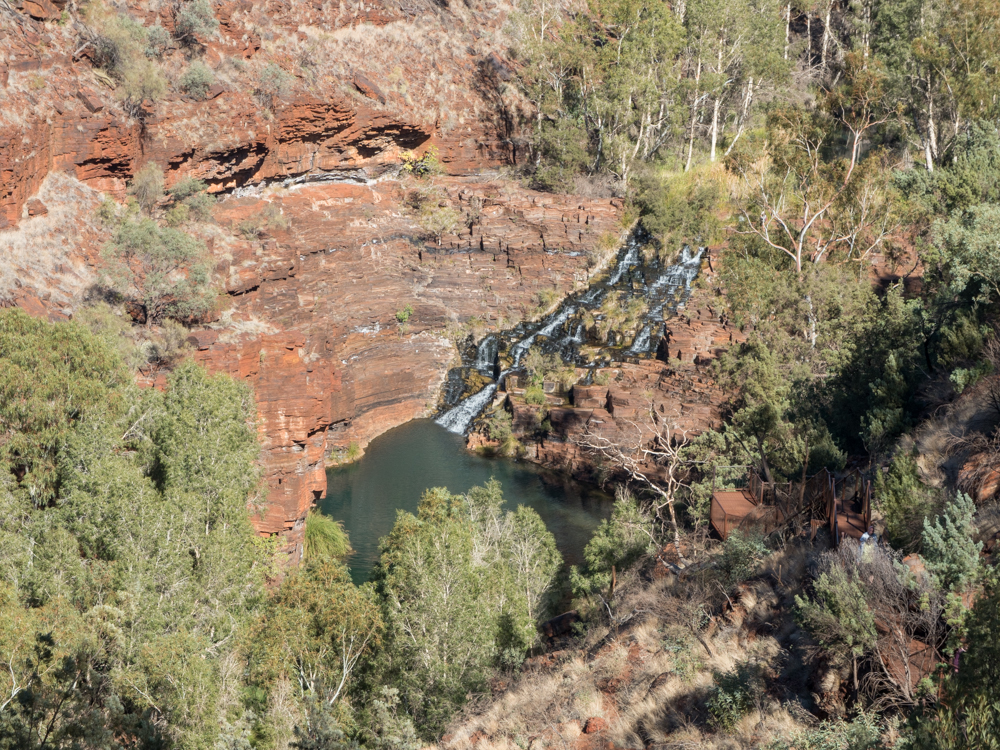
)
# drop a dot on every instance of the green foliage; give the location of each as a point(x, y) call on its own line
point(325, 539)
point(838, 615)
point(51, 378)
point(120, 48)
point(872, 393)
point(969, 179)
point(966, 243)
point(742, 554)
point(314, 631)
point(147, 186)
point(861, 733)
point(161, 268)
point(462, 584)
point(904, 501)
point(403, 314)
point(733, 695)
point(194, 18)
point(123, 597)
point(272, 82)
point(618, 543)
point(197, 79)
point(534, 395)
point(271, 217)
point(952, 558)
point(437, 220)
point(390, 729)
point(967, 716)
point(500, 427)
point(680, 209)
point(561, 152)
point(157, 41)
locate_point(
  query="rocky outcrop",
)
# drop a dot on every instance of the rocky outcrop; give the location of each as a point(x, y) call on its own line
point(296, 400)
point(677, 388)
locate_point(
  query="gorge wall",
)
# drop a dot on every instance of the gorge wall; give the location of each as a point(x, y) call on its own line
point(311, 298)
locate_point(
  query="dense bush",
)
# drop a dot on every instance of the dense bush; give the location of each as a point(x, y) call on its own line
point(194, 18)
point(734, 694)
point(124, 594)
point(121, 45)
point(904, 501)
point(463, 584)
point(162, 269)
point(742, 554)
point(617, 544)
point(197, 79)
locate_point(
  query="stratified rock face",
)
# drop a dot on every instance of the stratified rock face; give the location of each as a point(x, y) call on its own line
point(312, 318)
point(359, 87)
point(342, 367)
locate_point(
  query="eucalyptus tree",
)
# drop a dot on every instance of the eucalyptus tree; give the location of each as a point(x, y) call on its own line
point(732, 48)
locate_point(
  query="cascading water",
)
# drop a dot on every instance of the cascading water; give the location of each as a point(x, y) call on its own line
point(457, 420)
point(486, 354)
point(630, 258)
point(662, 291)
point(667, 285)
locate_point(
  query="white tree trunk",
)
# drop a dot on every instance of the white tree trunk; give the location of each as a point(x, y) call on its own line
point(694, 115)
point(715, 125)
point(826, 35)
point(788, 27)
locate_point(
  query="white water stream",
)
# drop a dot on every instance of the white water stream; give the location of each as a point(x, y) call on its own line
point(663, 290)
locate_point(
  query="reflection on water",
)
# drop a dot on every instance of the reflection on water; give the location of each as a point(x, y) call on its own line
point(399, 465)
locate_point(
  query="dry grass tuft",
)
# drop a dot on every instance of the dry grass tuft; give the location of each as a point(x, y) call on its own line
point(49, 252)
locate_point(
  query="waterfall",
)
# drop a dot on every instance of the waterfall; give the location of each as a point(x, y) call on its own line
point(457, 420)
point(660, 294)
point(628, 260)
point(486, 354)
point(641, 343)
point(553, 322)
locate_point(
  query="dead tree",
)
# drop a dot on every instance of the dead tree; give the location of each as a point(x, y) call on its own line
point(650, 454)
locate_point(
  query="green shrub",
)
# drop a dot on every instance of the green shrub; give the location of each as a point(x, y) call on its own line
point(618, 543)
point(838, 616)
point(560, 146)
point(157, 41)
point(742, 554)
point(162, 269)
point(177, 214)
point(272, 82)
point(437, 220)
point(191, 193)
point(861, 733)
point(147, 186)
point(325, 539)
point(404, 314)
point(952, 558)
point(904, 501)
point(734, 695)
point(534, 395)
point(195, 18)
point(680, 209)
point(119, 42)
point(500, 427)
point(197, 79)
